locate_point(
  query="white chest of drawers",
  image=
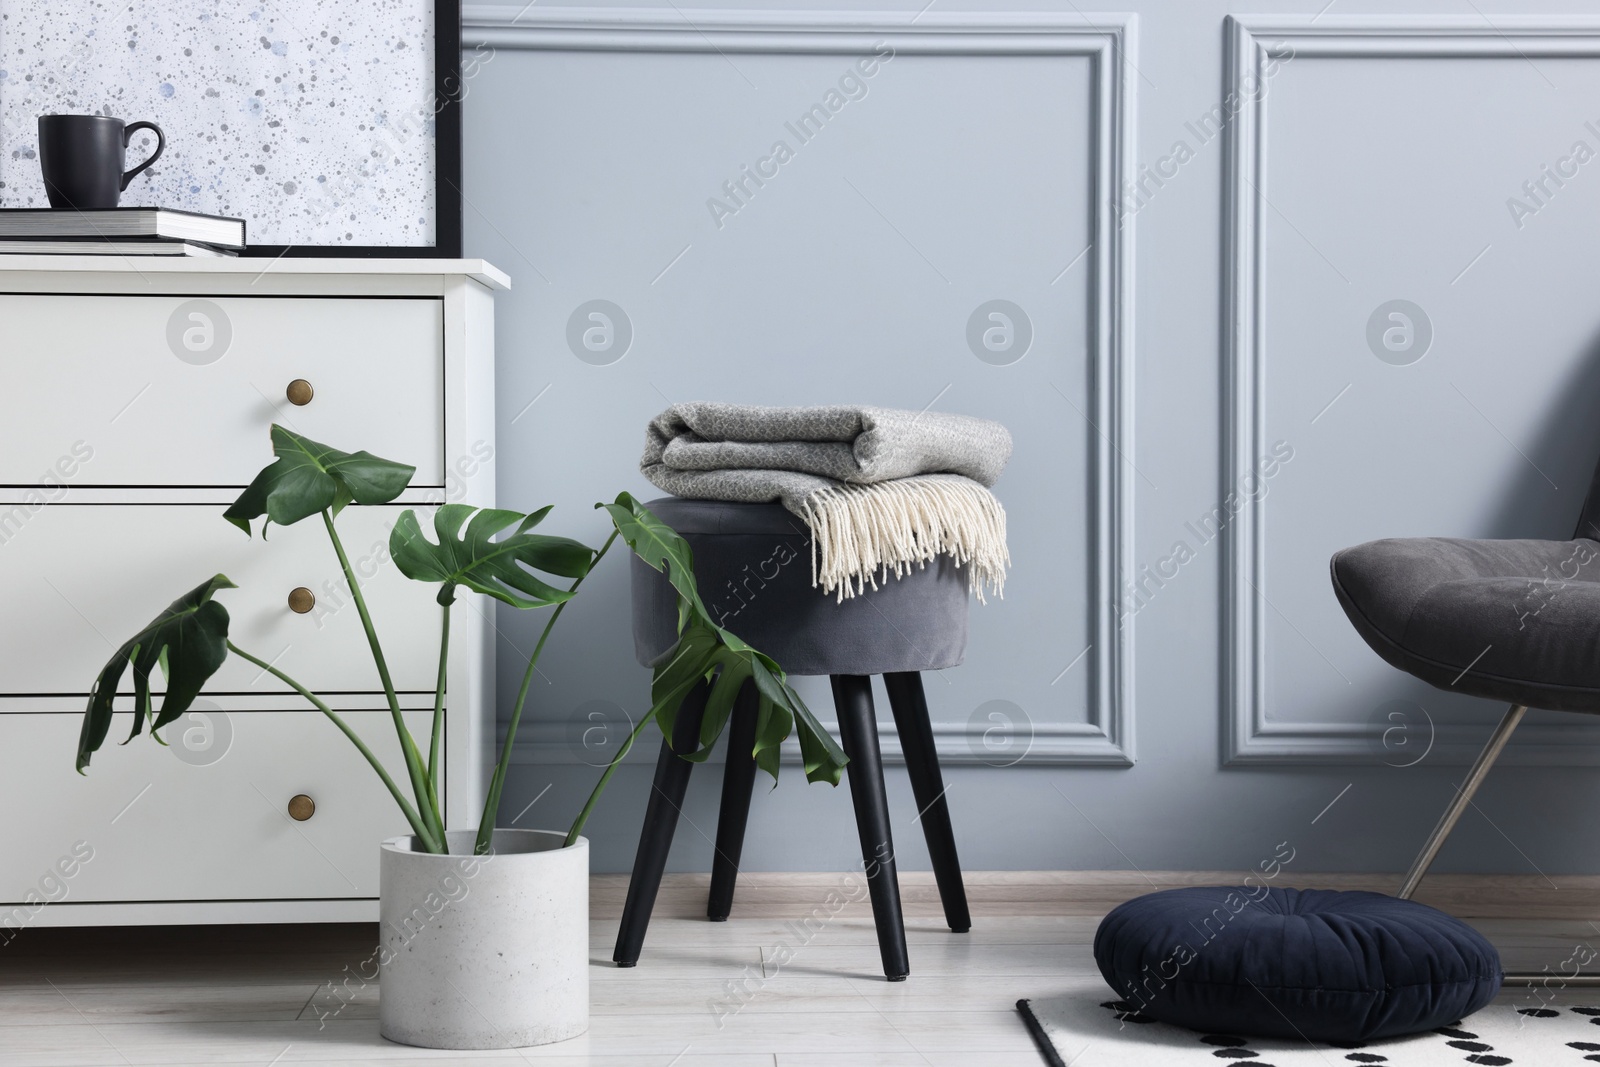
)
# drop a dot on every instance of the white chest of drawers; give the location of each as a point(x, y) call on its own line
point(135, 399)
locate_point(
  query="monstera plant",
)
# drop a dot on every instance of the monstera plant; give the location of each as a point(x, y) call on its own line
point(189, 641)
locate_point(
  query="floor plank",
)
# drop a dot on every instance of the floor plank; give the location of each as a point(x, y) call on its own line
point(781, 984)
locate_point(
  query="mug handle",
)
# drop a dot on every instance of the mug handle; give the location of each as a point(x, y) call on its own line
point(161, 144)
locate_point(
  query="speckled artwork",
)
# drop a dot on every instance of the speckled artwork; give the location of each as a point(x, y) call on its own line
point(313, 120)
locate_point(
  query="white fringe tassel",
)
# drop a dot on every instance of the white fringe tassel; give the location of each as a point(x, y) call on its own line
point(860, 532)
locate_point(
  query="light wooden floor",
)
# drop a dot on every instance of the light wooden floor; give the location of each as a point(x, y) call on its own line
point(704, 993)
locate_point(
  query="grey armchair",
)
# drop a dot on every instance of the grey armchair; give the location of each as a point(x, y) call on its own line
point(1517, 621)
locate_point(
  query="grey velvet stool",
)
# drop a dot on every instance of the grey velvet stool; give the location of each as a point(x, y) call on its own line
point(753, 568)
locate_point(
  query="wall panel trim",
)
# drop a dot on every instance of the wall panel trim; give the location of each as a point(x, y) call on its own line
point(1108, 40)
point(1248, 735)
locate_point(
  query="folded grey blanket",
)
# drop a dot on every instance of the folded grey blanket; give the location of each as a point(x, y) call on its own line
point(881, 489)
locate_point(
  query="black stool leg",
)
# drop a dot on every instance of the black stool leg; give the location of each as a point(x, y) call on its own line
point(858, 730)
point(738, 781)
point(927, 785)
point(660, 820)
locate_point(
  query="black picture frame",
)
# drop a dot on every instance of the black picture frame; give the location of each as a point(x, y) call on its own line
point(448, 92)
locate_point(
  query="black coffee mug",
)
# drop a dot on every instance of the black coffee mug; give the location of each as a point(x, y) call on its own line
point(82, 158)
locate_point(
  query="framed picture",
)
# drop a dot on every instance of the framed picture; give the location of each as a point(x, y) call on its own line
point(332, 127)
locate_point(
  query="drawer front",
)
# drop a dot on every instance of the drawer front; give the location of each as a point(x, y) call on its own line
point(207, 820)
point(78, 580)
point(105, 390)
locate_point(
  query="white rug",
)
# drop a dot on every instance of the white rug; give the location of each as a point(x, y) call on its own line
point(1090, 1027)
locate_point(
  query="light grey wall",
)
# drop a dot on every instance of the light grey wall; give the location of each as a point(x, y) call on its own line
point(959, 179)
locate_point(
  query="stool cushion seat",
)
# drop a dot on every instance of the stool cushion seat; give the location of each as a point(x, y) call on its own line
point(1295, 963)
point(752, 564)
point(1517, 621)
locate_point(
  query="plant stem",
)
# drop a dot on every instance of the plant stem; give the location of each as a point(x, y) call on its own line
point(434, 767)
point(497, 783)
point(600, 786)
point(422, 831)
point(419, 779)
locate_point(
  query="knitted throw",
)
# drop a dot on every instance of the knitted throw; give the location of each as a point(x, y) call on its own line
point(880, 489)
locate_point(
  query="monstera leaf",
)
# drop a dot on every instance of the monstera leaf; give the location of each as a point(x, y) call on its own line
point(189, 641)
point(472, 559)
point(660, 546)
point(309, 477)
point(705, 651)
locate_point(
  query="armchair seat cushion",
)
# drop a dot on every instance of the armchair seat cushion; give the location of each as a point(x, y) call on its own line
point(1517, 621)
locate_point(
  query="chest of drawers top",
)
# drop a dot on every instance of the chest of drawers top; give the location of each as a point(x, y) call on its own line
point(160, 274)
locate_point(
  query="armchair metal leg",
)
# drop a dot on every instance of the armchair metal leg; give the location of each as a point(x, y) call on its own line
point(1447, 822)
point(1475, 777)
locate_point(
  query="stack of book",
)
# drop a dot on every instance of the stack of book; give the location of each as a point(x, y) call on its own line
point(122, 231)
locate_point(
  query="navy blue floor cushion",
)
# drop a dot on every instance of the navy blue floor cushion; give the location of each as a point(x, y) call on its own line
point(1295, 963)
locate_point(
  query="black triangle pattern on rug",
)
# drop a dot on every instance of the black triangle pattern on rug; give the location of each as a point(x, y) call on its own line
point(1590, 1047)
point(1231, 1049)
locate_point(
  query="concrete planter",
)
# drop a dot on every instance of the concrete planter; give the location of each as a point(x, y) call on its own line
point(480, 952)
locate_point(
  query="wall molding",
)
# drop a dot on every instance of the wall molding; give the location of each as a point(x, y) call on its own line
point(1249, 735)
point(574, 29)
point(1107, 738)
point(1050, 743)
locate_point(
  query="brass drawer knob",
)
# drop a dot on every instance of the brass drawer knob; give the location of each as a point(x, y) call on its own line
point(301, 600)
point(301, 807)
point(299, 392)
